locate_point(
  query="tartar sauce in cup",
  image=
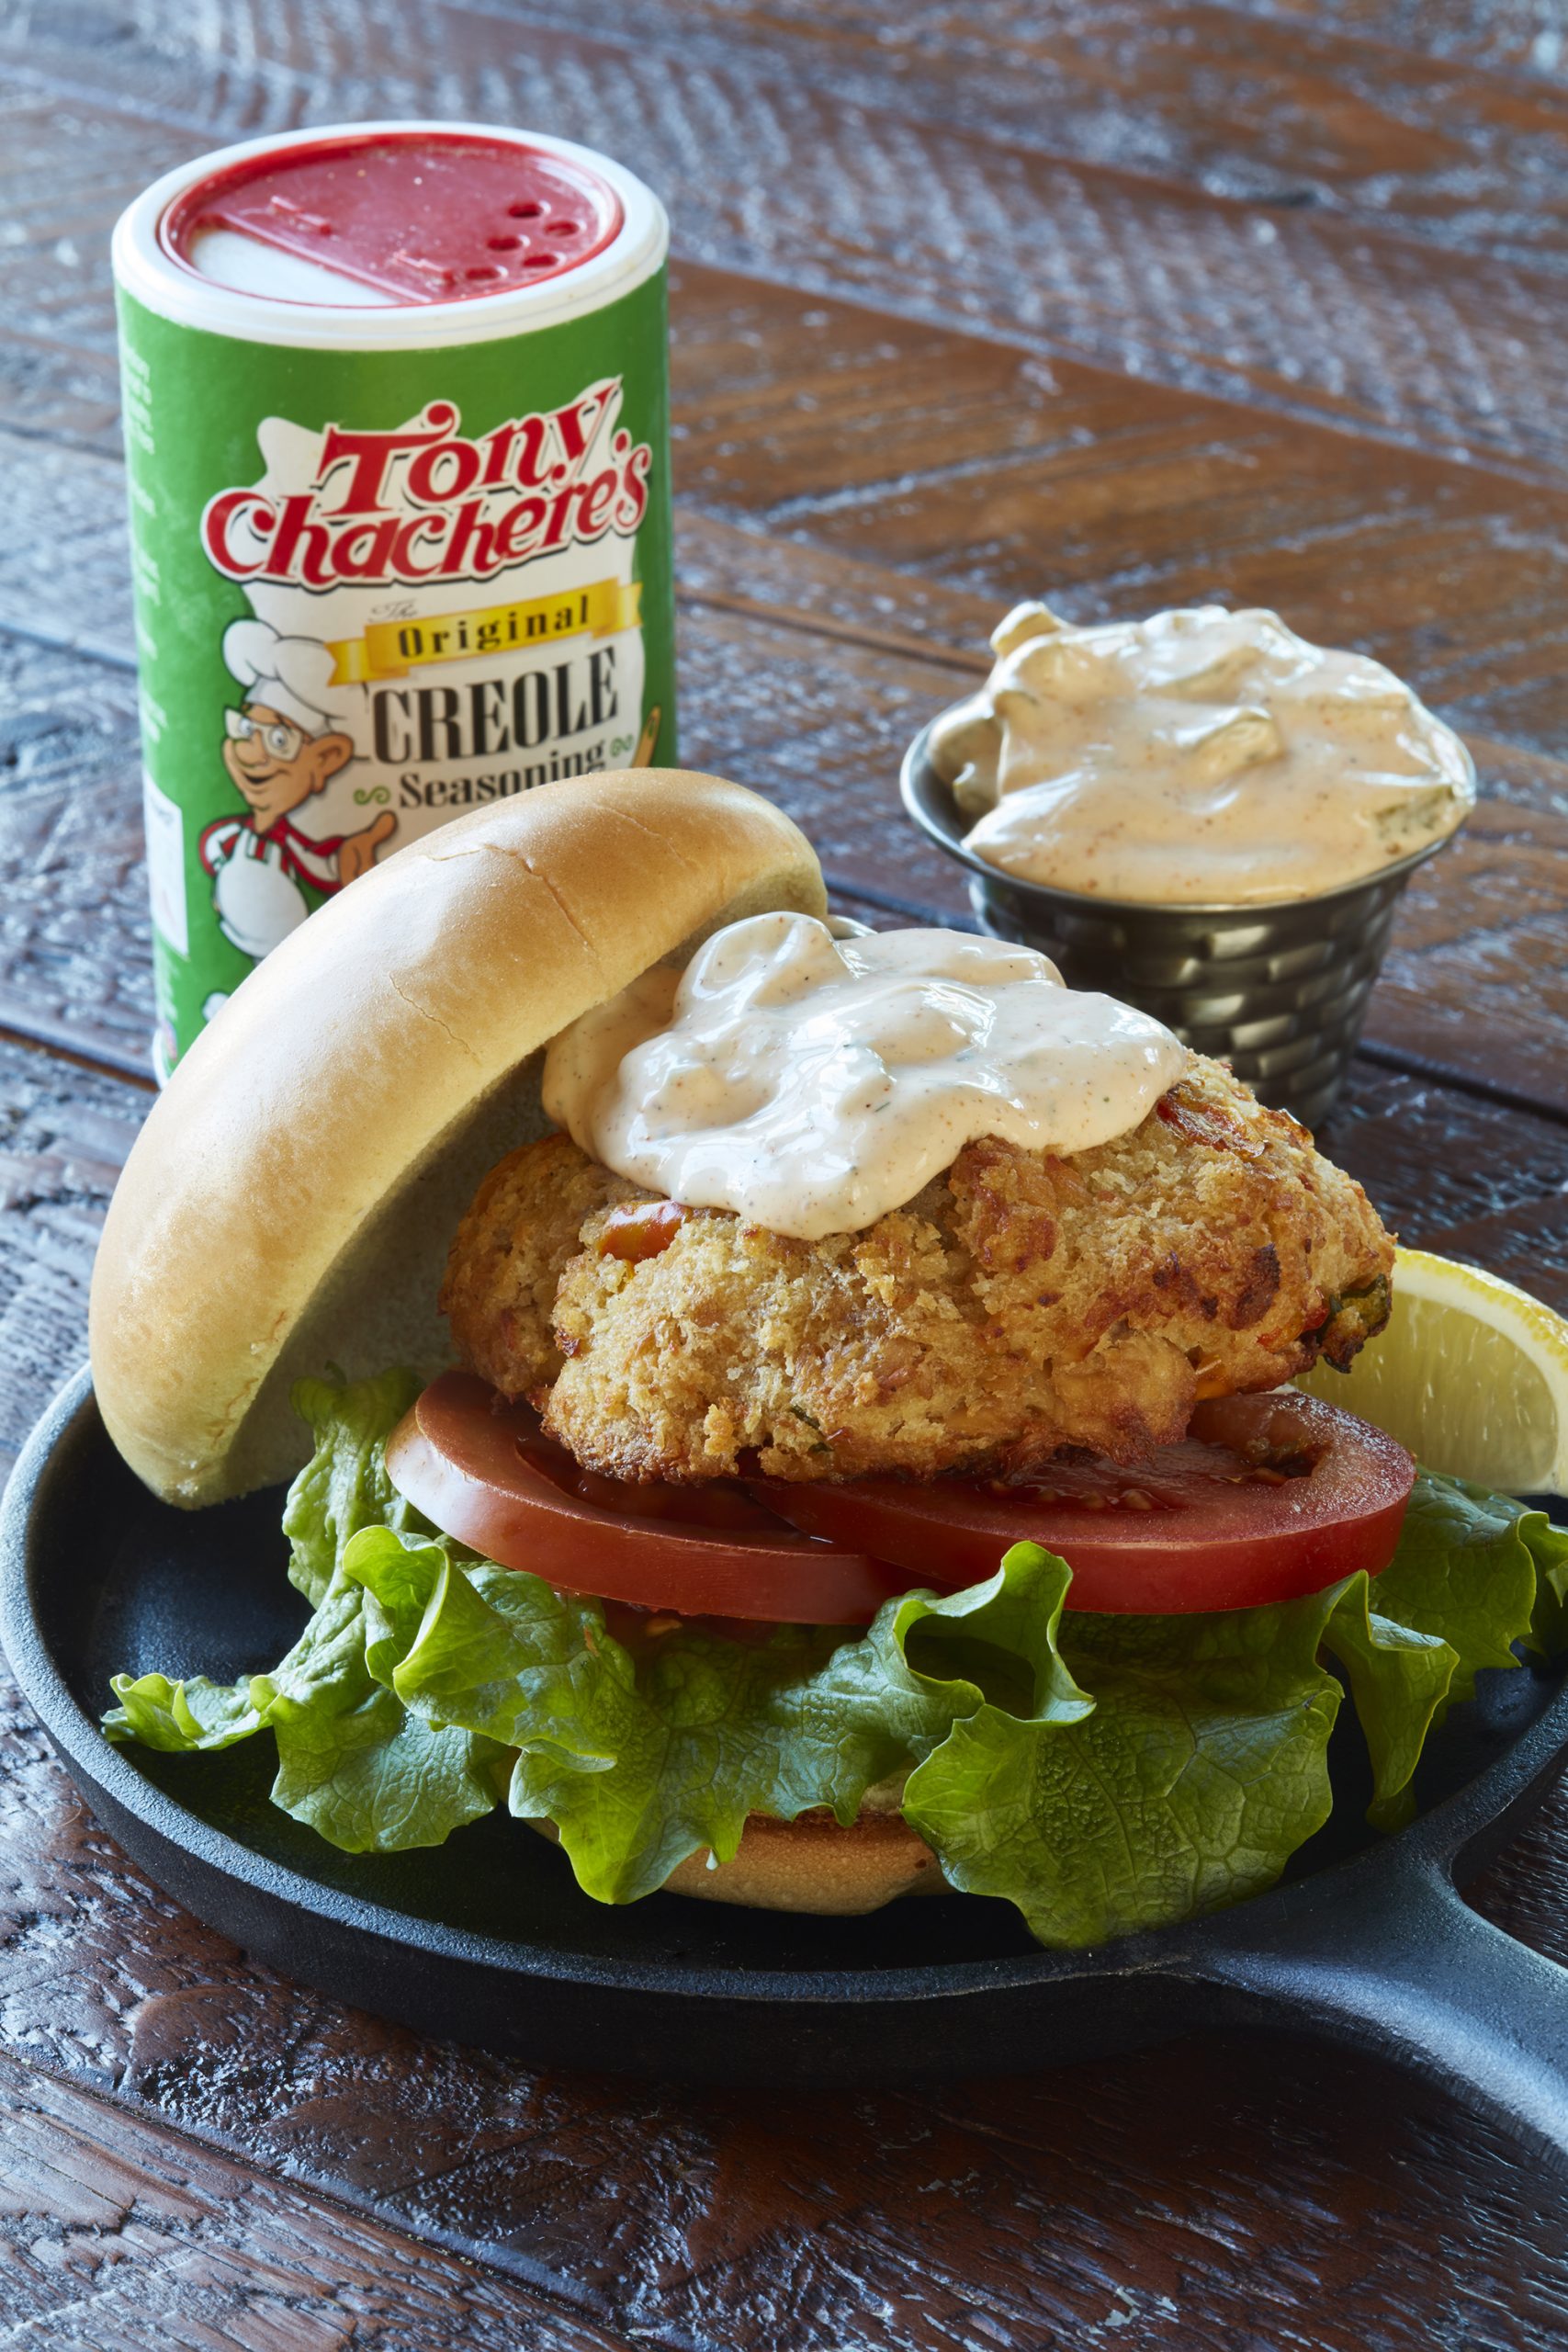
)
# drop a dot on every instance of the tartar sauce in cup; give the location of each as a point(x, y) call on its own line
point(1202, 758)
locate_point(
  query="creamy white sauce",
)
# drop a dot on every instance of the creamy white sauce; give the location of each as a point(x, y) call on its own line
point(1202, 757)
point(812, 1084)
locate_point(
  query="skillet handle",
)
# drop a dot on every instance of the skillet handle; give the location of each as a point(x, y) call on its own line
point(1408, 1972)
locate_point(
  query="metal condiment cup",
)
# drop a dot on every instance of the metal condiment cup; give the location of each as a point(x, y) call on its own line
point(1278, 991)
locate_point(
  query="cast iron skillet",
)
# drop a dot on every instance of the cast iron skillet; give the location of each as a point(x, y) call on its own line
point(488, 1938)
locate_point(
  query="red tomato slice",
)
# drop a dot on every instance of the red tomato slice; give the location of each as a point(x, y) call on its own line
point(1268, 1498)
point(482, 1471)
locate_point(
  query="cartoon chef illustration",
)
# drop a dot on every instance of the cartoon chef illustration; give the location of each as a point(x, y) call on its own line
point(282, 746)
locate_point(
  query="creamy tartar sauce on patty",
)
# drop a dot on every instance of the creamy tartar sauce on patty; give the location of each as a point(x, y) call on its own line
point(1203, 757)
point(813, 1084)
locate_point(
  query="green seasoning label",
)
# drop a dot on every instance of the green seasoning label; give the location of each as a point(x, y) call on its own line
point(374, 591)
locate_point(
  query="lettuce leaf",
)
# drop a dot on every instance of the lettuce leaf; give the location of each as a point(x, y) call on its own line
point(1399, 1677)
point(352, 1762)
point(641, 1758)
point(1546, 1545)
point(1186, 1782)
point(1477, 1577)
point(1465, 1571)
point(1101, 1773)
point(180, 1717)
point(344, 1486)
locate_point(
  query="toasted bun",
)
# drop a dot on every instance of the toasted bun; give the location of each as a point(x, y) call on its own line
point(289, 1203)
point(812, 1864)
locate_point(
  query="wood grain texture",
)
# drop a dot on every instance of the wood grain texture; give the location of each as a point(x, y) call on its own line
point(75, 954)
point(1285, 110)
point(991, 471)
point(119, 2235)
point(1276, 101)
point(192, 2150)
point(1291, 307)
point(64, 1133)
point(1524, 38)
point(1112, 2205)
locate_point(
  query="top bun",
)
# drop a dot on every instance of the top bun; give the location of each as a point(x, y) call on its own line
point(289, 1203)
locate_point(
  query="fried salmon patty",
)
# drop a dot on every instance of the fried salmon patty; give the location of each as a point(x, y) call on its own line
point(1019, 1304)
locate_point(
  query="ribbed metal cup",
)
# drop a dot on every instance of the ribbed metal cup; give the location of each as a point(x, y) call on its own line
point(1278, 991)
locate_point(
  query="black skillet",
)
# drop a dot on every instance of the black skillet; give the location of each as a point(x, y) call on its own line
point(488, 1938)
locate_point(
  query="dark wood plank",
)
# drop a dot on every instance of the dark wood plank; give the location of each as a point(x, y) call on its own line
point(1366, 106)
point(1289, 307)
point(1137, 494)
point(1477, 976)
point(120, 2235)
point(778, 391)
point(1518, 37)
point(1277, 106)
point(1418, 1148)
point(56, 390)
point(75, 952)
point(982, 458)
point(981, 468)
point(64, 1133)
point(65, 564)
point(1286, 109)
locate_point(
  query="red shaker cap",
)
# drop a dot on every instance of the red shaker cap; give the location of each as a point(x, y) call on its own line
point(424, 216)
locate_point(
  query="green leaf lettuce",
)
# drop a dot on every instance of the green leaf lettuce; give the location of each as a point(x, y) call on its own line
point(1101, 1773)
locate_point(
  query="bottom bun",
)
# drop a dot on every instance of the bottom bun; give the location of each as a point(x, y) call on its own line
point(811, 1864)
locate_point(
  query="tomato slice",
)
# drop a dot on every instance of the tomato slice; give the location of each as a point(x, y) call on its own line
point(482, 1471)
point(1268, 1498)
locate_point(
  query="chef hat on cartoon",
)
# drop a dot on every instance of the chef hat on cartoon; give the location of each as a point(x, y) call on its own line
point(288, 674)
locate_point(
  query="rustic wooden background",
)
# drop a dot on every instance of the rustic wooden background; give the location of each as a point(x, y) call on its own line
point(1123, 302)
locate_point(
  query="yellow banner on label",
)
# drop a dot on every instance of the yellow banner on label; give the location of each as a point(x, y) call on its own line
point(391, 648)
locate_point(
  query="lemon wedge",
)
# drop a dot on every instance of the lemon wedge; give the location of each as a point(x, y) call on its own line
point(1471, 1373)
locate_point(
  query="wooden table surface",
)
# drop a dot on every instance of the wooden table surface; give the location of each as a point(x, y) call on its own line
point(1126, 303)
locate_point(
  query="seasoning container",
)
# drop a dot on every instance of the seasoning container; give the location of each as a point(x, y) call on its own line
point(1202, 814)
point(397, 428)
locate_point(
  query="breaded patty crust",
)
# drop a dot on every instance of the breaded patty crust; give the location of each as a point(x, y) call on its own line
point(1022, 1303)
